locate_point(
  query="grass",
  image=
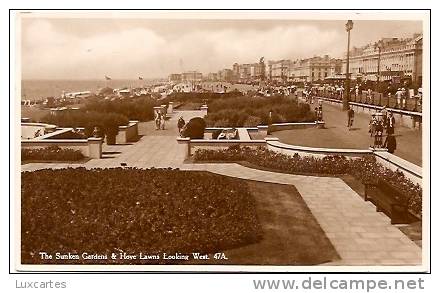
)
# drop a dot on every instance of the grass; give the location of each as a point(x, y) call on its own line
point(291, 234)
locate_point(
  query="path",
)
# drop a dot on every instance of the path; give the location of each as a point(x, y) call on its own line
point(360, 235)
point(336, 135)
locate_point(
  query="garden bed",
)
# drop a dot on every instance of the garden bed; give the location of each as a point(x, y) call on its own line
point(51, 154)
point(105, 211)
point(364, 169)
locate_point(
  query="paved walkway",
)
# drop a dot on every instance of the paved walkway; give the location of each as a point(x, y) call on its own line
point(359, 234)
point(336, 135)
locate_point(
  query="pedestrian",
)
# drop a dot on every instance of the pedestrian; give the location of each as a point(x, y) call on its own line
point(390, 124)
point(370, 96)
point(157, 119)
point(378, 134)
point(372, 125)
point(390, 143)
point(162, 121)
point(398, 98)
point(350, 114)
point(180, 124)
point(405, 94)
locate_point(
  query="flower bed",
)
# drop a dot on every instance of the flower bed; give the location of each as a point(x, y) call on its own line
point(52, 153)
point(134, 211)
point(365, 169)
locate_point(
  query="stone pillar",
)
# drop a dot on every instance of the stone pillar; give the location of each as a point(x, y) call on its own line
point(204, 109)
point(184, 146)
point(135, 128)
point(95, 147)
point(170, 107)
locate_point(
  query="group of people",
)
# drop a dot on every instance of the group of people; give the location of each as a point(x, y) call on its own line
point(159, 119)
point(383, 122)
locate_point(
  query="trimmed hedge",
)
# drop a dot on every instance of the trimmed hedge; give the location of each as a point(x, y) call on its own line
point(252, 111)
point(108, 122)
point(52, 153)
point(365, 169)
point(141, 109)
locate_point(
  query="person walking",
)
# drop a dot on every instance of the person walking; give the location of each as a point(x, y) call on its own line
point(350, 114)
point(162, 121)
point(391, 121)
point(398, 98)
point(180, 124)
point(157, 119)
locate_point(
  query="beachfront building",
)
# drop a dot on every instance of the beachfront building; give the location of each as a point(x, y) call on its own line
point(399, 58)
point(175, 77)
point(213, 76)
point(226, 75)
point(279, 70)
point(314, 69)
point(192, 76)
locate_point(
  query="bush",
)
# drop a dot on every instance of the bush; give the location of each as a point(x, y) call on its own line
point(107, 122)
point(252, 111)
point(195, 128)
point(365, 169)
point(52, 153)
point(154, 211)
point(141, 109)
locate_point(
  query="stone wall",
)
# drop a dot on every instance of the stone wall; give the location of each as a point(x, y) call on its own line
point(91, 147)
point(128, 133)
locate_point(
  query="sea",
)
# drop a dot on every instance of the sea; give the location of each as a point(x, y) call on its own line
point(41, 89)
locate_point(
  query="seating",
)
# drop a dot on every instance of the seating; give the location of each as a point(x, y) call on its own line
point(389, 200)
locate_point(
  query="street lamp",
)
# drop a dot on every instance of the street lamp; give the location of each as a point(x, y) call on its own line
point(348, 28)
point(378, 46)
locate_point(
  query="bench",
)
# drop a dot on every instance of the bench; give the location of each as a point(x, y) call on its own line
point(389, 200)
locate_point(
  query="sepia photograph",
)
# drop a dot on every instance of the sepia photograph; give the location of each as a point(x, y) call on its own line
point(221, 141)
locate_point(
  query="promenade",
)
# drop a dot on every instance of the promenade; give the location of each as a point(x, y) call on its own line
point(336, 135)
point(360, 235)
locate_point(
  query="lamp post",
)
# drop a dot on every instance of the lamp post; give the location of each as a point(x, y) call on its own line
point(378, 46)
point(345, 105)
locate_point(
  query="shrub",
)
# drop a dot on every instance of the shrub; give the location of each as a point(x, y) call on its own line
point(135, 109)
point(252, 111)
point(195, 128)
point(365, 169)
point(51, 153)
point(107, 122)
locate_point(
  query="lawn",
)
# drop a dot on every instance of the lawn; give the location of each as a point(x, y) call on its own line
point(291, 234)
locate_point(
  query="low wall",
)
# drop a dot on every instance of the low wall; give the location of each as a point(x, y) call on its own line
point(91, 147)
point(393, 162)
point(296, 125)
point(404, 118)
point(411, 171)
point(128, 133)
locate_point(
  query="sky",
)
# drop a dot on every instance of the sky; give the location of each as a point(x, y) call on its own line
point(81, 48)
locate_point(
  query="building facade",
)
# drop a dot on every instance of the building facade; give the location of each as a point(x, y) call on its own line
point(175, 77)
point(399, 58)
point(226, 75)
point(314, 69)
point(279, 70)
point(192, 76)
